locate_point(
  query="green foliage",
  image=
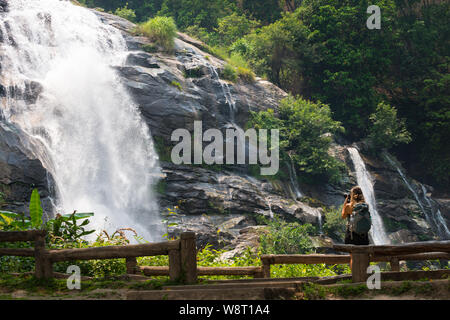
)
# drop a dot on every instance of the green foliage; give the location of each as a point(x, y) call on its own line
point(287, 238)
point(36, 210)
point(234, 27)
point(334, 226)
point(126, 13)
point(246, 75)
point(66, 228)
point(161, 30)
point(387, 130)
point(94, 268)
point(204, 14)
point(305, 137)
point(229, 73)
point(177, 85)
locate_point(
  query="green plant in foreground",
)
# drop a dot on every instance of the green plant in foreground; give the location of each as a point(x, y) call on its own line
point(36, 210)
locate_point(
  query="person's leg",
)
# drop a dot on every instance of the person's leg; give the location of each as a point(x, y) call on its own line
point(349, 240)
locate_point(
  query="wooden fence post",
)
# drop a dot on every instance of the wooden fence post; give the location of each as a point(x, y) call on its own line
point(188, 254)
point(360, 263)
point(266, 269)
point(43, 265)
point(131, 265)
point(395, 264)
point(175, 265)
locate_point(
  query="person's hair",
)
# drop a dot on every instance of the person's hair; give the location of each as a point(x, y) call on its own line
point(357, 191)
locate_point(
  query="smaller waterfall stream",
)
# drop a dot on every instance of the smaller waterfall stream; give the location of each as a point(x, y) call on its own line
point(364, 179)
point(433, 217)
point(226, 93)
point(293, 179)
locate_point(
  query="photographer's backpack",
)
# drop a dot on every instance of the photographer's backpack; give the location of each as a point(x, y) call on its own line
point(360, 220)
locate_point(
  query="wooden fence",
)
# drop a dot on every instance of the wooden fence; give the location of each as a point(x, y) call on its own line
point(183, 257)
point(330, 259)
point(182, 254)
point(361, 256)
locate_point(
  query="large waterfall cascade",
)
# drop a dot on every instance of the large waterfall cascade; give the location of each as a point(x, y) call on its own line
point(431, 212)
point(365, 181)
point(100, 151)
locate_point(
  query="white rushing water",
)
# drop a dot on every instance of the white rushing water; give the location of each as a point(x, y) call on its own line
point(432, 215)
point(294, 180)
point(100, 151)
point(226, 93)
point(364, 179)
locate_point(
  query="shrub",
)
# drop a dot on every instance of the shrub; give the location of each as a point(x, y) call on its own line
point(233, 27)
point(229, 73)
point(287, 238)
point(161, 30)
point(334, 226)
point(246, 75)
point(126, 13)
point(306, 130)
point(387, 130)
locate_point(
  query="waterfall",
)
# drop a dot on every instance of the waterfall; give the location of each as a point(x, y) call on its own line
point(433, 217)
point(437, 217)
point(226, 93)
point(100, 151)
point(294, 180)
point(365, 182)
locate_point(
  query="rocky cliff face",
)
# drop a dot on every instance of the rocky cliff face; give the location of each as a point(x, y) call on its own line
point(172, 91)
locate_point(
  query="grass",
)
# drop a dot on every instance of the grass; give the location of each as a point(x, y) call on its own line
point(246, 75)
point(161, 30)
point(229, 73)
point(236, 67)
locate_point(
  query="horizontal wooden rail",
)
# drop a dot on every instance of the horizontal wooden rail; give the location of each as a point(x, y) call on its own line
point(206, 271)
point(305, 259)
point(20, 252)
point(17, 236)
point(114, 252)
point(362, 255)
point(400, 249)
point(412, 257)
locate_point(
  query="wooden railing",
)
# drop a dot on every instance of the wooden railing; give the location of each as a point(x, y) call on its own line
point(361, 256)
point(330, 259)
point(183, 257)
point(182, 254)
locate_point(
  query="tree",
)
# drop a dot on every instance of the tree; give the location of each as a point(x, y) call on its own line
point(126, 13)
point(233, 27)
point(305, 137)
point(387, 130)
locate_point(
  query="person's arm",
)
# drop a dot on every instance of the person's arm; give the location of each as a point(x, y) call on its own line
point(347, 209)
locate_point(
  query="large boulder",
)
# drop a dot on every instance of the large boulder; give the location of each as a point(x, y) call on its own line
point(20, 170)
